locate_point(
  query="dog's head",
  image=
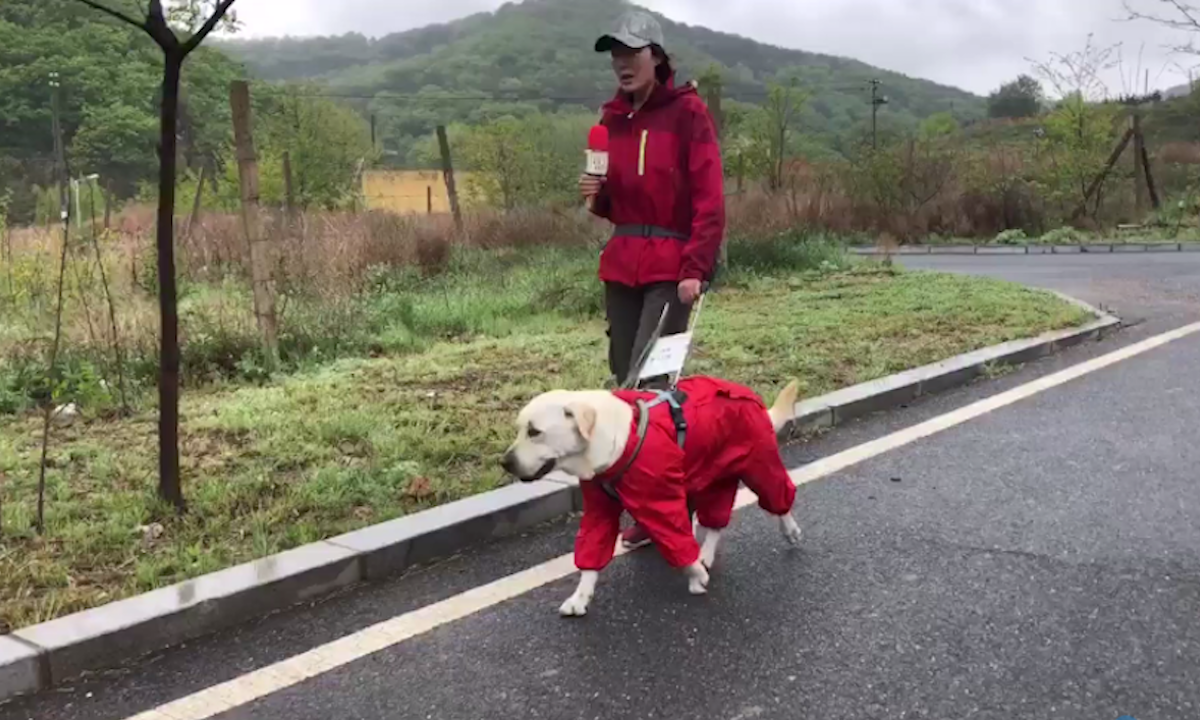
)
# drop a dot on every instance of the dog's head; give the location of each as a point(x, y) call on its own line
point(554, 427)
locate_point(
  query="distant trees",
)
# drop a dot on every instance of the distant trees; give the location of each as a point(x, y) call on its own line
point(523, 162)
point(1020, 98)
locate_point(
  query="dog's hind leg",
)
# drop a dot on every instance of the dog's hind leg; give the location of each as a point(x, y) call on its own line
point(714, 509)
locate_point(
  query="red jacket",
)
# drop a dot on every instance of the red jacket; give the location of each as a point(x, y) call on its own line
point(664, 170)
point(730, 438)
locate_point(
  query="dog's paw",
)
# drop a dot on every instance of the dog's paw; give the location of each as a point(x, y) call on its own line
point(575, 606)
point(791, 530)
point(697, 579)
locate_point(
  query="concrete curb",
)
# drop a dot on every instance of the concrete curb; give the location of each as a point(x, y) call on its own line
point(42, 656)
point(885, 393)
point(992, 249)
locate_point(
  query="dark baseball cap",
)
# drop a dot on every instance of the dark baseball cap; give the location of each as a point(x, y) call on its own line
point(635, 29)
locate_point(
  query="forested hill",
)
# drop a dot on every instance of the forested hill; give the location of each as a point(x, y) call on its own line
point(540, 53)
point(110, 76)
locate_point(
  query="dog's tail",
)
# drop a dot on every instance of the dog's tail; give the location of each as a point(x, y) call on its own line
point(784, 409)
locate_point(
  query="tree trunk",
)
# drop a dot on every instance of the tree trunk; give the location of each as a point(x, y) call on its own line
point(169, 485)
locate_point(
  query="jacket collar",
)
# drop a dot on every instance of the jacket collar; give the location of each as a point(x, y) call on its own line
point(663, 94)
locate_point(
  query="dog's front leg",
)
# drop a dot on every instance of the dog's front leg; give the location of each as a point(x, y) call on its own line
point(790, 529)
point(708, 548)
point(697, 578)
point(577, 604)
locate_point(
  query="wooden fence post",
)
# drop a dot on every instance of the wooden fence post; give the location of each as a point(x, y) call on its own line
point(260, 261)
point(448, 172)
point(289, 188)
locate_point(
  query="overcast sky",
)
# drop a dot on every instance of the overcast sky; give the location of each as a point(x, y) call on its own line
point(973, 44)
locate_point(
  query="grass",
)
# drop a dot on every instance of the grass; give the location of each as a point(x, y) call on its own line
point(341, 444)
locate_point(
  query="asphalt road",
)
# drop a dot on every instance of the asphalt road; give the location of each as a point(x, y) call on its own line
point(1042, 560)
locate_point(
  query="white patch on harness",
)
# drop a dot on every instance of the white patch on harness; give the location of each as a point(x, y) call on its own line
point(667, 356)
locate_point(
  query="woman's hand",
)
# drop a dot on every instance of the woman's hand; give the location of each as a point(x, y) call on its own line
point(689, 291)
point(590, 185)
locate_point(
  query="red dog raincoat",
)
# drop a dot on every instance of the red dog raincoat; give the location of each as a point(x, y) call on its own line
point(729, 438)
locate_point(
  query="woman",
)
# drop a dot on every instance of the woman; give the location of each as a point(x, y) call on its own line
point(664, 193)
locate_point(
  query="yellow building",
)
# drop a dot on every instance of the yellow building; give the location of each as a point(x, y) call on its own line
point(412, 191)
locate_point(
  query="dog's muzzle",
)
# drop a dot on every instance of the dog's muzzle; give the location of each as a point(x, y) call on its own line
point(509, 463)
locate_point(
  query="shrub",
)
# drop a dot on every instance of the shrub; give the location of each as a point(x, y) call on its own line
point(1062, 236)
point(1012, 237)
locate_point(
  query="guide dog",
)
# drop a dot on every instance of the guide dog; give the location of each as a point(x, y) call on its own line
point(659, 456)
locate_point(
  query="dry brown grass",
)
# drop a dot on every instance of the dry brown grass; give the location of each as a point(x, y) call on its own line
point(917, 191)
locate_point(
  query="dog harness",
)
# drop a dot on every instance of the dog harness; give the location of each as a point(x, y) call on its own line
point(674, 399)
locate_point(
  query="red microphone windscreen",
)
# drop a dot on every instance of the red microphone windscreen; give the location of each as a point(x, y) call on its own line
point(598, 139)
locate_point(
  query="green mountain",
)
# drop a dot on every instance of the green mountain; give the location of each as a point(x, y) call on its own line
point(537, 56)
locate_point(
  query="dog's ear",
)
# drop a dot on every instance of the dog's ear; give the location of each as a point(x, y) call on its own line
point(584, 416)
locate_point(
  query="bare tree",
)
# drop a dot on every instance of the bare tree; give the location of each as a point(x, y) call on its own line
point(1176, 15)
point(1081, 72)
point(176, 49)
point(1179, 15)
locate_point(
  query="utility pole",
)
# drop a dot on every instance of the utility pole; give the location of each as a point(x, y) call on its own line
point(1143, 176)
point(877, 101)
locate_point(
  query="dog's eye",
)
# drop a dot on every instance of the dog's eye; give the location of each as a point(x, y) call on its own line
point(534, 433)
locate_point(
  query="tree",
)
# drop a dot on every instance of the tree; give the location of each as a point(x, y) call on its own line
point(1081, 72)
point(1020, 98)
point(326, 142)
point(712, 83)
point(112, 140)
point(770, 131)
point(1176, 14)
point(175, 51)
point(1078, 137)
point(524, 162)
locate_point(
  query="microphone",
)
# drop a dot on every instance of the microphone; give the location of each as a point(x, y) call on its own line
point(597, 155)
point(597, 151)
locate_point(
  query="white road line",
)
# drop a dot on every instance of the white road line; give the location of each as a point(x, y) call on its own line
point(295, 670)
